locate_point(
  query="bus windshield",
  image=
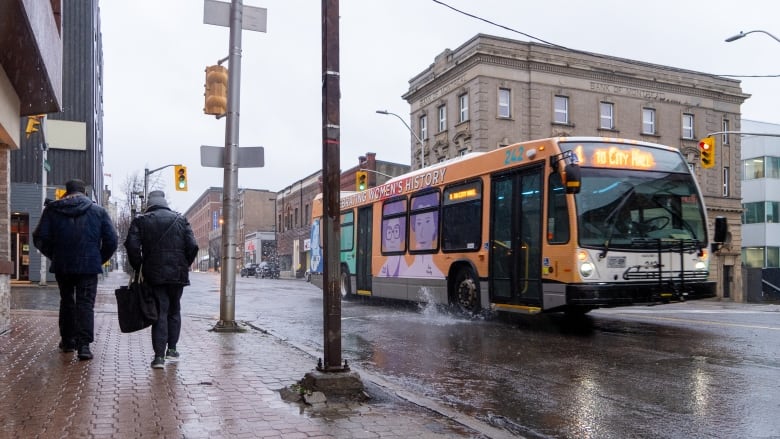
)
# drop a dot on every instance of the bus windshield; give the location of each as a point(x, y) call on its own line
point(623, 209)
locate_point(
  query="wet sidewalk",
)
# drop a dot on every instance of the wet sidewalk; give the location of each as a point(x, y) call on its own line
point(224, 386)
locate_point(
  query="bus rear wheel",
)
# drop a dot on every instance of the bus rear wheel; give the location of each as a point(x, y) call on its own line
point(465, 294)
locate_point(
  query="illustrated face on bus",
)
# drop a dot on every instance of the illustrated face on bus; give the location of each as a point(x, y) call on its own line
point(393, 235)
point(425, 227)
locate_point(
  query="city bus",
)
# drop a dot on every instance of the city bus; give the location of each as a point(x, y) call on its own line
point(565, 224)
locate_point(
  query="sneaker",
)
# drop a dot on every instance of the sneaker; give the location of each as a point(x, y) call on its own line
point(158, 363)
point(84, 353)
point(172, 354)
point(66, 347)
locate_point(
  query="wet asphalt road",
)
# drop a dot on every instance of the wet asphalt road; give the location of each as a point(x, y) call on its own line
point(695, 370)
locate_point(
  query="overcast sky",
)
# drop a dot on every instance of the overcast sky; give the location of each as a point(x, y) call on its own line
point(155, 53)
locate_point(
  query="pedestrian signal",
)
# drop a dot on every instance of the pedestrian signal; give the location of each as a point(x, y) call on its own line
point(180, 176)
point(707, 152)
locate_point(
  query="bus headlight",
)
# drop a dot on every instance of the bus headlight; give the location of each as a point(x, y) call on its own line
point(586, 269)
point(701, 265)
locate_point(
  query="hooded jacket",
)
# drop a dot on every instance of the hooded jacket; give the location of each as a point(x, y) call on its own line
point(163, 241)
point(76, 235)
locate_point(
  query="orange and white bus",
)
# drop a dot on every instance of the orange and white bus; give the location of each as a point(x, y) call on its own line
point(561, 224)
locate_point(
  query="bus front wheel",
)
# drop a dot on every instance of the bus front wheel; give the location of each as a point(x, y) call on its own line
point(344, 284)
point(465, 295)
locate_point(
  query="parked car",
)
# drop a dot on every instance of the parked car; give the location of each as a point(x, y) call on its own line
point(268, 270)
point(249, 270)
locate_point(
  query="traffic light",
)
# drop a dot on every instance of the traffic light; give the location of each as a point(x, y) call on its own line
point(707, 152)
point(180, 177)
point(33, 124)
point(216, 90)
point(361, 180)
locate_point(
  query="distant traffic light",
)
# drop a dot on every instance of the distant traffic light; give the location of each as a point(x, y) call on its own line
point(707, 152)
point(33, 124)
point(361, 180)
point(180, 177)
point(216, 90)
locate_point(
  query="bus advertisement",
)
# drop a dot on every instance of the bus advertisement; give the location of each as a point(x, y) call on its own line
point(564, 224)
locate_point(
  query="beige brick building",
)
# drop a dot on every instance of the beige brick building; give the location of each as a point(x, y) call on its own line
point(492, 91)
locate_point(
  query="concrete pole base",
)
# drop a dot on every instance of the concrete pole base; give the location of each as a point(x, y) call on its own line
point(333, 383)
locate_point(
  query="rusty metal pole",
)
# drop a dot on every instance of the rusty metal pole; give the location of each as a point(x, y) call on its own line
point(331, 175)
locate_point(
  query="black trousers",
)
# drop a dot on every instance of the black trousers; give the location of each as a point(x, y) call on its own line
point(165, 332)
point(77, 308)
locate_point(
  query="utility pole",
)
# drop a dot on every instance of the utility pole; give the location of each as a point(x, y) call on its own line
point(331, 375)
point(331, 195)
point(44, 182)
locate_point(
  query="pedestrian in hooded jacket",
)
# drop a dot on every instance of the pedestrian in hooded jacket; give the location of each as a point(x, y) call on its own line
point(78, 237)
point(161, 244)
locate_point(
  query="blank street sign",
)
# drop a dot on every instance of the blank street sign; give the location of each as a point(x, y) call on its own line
point(218, 14)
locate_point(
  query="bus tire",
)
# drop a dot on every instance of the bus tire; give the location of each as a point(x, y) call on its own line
point(344, 284)
point(465, 291)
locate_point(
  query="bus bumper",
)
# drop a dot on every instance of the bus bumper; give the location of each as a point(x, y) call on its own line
point(601, 295)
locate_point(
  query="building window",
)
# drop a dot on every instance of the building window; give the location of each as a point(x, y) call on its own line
point(648, 121)
point(462, 152)
point(772, 167)
point(772, 212)
point(753, 168)
point(504, 102)
point(561, 109)
point(725, 136)
point(725, 181)
point(423, 127)
point(442, 118)
point(761, 257)
point(463, 108)
point(753, 257)
point(753, 213)
point(687, 126)
point(607, 115)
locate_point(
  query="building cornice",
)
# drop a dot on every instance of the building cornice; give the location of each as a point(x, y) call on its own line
point(600, 69)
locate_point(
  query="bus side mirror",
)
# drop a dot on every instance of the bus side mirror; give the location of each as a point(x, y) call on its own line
point(572, 178)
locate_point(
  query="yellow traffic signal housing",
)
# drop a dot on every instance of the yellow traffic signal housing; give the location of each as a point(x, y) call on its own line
point(180, 177)
point(707, 152)
point(216, 90)
point(33, 124)
point(361, 180)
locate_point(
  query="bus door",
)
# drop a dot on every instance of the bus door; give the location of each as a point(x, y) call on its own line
point(363, 263)
point(516, 236)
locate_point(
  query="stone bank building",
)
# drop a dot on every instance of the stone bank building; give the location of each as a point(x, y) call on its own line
point(491, 92)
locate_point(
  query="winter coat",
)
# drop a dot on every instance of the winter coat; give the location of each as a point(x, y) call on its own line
point(162, 240)
point(76, 234)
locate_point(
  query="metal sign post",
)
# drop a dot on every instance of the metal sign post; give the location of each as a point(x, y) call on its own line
point(214, 13)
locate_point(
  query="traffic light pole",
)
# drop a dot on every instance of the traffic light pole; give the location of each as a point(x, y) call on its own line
point(147, 173)
point(227, 297)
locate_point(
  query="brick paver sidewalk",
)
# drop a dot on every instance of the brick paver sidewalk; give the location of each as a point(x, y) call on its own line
point(224, 385)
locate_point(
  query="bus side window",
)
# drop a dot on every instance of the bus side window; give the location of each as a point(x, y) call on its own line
point(557, 212)
point(461, 201)
point(424, 222)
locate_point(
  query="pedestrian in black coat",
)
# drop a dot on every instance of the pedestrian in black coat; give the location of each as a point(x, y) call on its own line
point(162, 245)
point(78, 237)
